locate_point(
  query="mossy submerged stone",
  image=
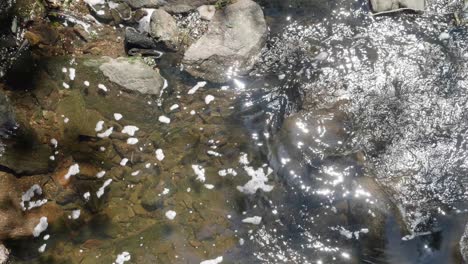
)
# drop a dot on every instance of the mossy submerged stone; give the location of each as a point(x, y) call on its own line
point(133, 74)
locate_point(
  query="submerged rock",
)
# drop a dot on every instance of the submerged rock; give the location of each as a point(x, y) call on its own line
point(133, 74)
point(386, 5)
point(163, 28)
point(7, 120)
point(232, 43)
point(464, 244)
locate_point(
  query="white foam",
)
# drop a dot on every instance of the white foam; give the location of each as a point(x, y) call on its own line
point(42, 248)
point(75, 214)
point(209, 186)
point(209, 98)
point(123, 162)
point(196, 87)
point(40, 227)
point(117, 116)
point(106, 133)
point(100, 192)
point(226, 172)
point(258, 181)
point(171, 214)
point(213, 153)
point(255, 220)
point(72, 74)
point(121, 258)
point(28, 195)
point(95, 2)
point(213, 261)
point(72, 171)
point(174, 107)
point(130, 130)
point(100, 174)
point(164, 119)
point(99, 126)
point(132, 141)
point(160, 154)
point(102, 87)
point(200, 172)
point(54, 142)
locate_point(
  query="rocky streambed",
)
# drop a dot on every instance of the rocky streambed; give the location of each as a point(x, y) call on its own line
point(233, 131)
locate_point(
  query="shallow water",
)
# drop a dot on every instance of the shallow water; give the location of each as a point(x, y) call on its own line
point(352, 125)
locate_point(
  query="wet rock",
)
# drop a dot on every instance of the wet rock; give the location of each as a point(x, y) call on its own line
point(136, 4)
point(163, 28)
point(4, 254)
point(120, 12)
point(7, 121)
point(207, 12)
point(133, 75)
point(386, 5)
point(101, 13)
point(25, 154)
point(183, 6)
point(464, 244)
point(232, 43)
point(14, 222)
point(135, 39)
point(150, 200)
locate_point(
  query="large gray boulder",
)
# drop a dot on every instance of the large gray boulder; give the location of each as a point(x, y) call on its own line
point(233, 42)
point(464, 244)
point(133, 75)
point(390, 5)
point(163, 28)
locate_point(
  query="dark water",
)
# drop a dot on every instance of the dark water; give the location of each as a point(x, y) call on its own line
point(357, 122)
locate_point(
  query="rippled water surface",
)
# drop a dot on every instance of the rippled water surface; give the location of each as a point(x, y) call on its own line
point(346, 144)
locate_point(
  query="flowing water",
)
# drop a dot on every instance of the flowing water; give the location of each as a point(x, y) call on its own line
point(346, 144)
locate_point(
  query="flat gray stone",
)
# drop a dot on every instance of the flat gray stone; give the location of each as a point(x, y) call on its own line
point(379, 6)
point(133, 74)
point(183, 6)
point(233, 41)
point(137, 4)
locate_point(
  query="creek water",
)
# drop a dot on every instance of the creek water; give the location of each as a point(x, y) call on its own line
point(346, 144)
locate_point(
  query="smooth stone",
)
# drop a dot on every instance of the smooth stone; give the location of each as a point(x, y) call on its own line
point(389, 5)
point(184, 6)
point(163, 28)
point(207, 12)
point(234, 40)
point(150, 200)
point(135, 39)
point(133, 74)
point(137, 4)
